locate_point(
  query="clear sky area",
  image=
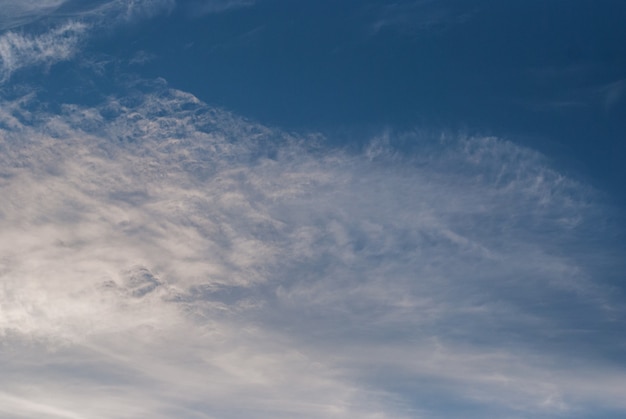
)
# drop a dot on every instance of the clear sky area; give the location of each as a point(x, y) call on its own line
point(235, 209)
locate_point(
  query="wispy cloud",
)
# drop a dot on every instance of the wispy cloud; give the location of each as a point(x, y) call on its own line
point(586, 88)
point(18, 50)
point(67, 29)
point(20, 12)
point(160, 258)
point(70, 23)
point(203, 7)
point(412, 17)
point(131, 11)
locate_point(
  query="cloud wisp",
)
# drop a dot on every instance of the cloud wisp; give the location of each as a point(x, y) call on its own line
point(18, 13)
point(67, 25)
point(205, 7)
point(414, 17)
point(19, 50)
point(160, 258)
point(65, 32)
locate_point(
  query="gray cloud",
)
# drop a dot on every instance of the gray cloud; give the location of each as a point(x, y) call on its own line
point(160, 258)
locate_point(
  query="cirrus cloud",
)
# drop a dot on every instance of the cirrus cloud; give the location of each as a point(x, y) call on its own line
point(163, 258)
point(19, 50)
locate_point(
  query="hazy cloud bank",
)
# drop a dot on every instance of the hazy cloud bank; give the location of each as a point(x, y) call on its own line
point(161, 258)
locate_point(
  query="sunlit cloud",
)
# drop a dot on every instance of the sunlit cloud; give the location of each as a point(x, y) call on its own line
point(163, 258)
point(160, 257)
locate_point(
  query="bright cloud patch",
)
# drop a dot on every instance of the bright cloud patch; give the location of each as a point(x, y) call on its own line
point(18, 50)
point(159, 258)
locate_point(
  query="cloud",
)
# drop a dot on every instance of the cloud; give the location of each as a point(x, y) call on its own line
point(131, 11)
point(204, 7)
point(66, 31)
point(590, 93)
point(414, 17)
point(161, 258)
point(18, 13)
point(19, 50)
point(69, 24)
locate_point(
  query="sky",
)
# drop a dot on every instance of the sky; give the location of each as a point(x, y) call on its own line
point(229, 209)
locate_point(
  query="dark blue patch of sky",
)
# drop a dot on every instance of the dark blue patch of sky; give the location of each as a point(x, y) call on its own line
point(551, 75)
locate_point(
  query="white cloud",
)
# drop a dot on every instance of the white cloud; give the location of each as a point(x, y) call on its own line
point(131, 11)
point(18, 50)
point(69, 24)
point(159, 258)
point(19, 12)
point(22, 49)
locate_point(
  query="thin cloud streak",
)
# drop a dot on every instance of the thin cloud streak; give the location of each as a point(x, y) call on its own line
point(162, 258)
point(415, 17)
point(21, 12)
point(205, 7)
point(69, 25)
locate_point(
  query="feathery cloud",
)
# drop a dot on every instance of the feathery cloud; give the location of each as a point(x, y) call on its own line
point(20, 12)
point(161, 258)
point(19, 50)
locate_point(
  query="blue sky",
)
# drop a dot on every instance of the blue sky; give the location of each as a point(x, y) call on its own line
point(329, 209)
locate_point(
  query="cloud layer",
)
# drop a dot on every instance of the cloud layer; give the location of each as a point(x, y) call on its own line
point(160, 258)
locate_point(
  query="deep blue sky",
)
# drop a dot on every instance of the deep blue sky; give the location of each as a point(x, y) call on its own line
point(546, 74)
point(312, 208)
